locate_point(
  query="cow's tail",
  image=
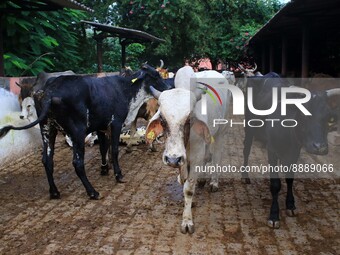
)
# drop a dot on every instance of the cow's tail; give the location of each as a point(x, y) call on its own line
point(44, 112)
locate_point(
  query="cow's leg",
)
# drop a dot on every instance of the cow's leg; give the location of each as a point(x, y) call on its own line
point(215, 152)
point(116, 128)
point(49, 134)
point(78, 163)
point(290, 201)
point(188, 190)
point(133, 130)
point(248, 141)
point(275, 187)
point(152, 147)
point(103, 147)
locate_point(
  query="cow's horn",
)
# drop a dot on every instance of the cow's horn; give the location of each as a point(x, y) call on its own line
point(252, 70)
point(241, 67)
point(155, 92)
point(255, 66)
point(18, 84)
point(162, 64)
point(333, 92)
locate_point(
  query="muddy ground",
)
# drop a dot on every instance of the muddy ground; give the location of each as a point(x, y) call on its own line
point(143, 215)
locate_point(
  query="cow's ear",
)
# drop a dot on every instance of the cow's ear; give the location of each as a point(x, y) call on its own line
point(201, 129)
point(154, 129)
point(139, 77)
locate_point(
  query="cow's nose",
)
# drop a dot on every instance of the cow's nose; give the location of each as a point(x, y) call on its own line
point(174, 161)
point(21, 117)
point(321, 148)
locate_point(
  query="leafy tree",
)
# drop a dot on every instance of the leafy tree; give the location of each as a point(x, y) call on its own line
point(37, 41)
point(218, 29)
point(195, 29)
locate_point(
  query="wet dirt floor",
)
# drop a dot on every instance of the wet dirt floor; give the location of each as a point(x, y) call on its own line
point(143, 215)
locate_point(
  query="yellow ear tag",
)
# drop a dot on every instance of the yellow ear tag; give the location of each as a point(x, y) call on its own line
point(151, 135)
point(134, 80)
point(212, 140)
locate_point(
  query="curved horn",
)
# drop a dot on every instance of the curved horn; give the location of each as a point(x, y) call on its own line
point(333, 92)
point(241, 68)
point(155, 92)
point(18, 84)
point(255, 67)
point(162, 64)
point(252, 70)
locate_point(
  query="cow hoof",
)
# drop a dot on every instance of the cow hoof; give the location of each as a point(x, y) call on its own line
point(119, 178)
point(94, 195)
point(179, 180)
point(153, 149)
point(290, 212)
point(274, 224)
point(213, 187)
point(55, 195)
point(128, 149)
point(201, 183)
point(187, 227)
point(104, 170)
point(245, 180)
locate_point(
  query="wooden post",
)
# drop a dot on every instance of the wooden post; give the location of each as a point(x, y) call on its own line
point(123, 44)
point(100, 54)
point(284, 55)
point(263, 58)
point(271, 57)
point(305, 51)
point(2, 64)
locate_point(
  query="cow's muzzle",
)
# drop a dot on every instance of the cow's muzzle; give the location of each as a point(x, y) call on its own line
point(320, 148)
point(317, 148)
point(174, 161)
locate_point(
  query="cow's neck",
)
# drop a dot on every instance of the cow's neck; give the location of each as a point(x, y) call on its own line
point(136, 101)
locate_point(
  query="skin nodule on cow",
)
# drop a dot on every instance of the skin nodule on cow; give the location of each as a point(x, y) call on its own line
point(81, 105)
point(284, 144)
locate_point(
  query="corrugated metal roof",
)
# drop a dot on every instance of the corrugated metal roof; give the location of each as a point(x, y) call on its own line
point(127, 33)
point(41, 5)
point(294, 13)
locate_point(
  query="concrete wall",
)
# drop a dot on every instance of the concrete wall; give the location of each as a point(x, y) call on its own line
point(15, 144)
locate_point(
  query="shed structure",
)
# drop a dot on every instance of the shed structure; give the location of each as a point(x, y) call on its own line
point(126, 36)
point(302, 39)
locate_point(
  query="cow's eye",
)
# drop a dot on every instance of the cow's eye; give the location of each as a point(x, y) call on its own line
point(332, 120)
point(28, 106)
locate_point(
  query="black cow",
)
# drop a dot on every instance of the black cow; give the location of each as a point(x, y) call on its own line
point(284, 143)
point(27, 88)
point(80, 105)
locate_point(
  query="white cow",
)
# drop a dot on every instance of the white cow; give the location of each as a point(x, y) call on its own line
point(28, 110)
point(230, 76)
point(179, 118)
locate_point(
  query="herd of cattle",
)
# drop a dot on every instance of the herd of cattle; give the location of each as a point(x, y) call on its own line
point(79, 106)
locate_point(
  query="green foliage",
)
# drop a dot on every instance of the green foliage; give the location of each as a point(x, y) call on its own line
point(195, 29)
point(37, 41)
point(55, 41)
